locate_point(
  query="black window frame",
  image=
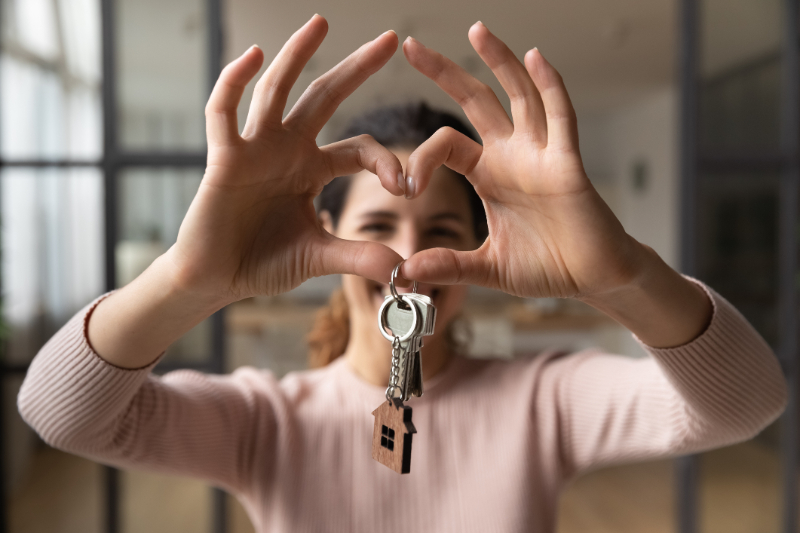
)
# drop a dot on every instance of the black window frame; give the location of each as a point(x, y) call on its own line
point(114, 160)
point(695, 161)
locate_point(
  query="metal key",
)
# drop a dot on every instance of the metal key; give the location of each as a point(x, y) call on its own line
point(410, 317)
point(402, 317)
point(414, 381)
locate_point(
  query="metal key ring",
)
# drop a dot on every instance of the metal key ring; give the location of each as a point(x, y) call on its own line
point(392, 288)
point(382, 314)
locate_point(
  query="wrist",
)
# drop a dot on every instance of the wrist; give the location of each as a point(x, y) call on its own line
point(638, 264)
point(661, 307)
point(189, 285)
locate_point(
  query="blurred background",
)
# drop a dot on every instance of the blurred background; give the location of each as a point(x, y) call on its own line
point(690, 128)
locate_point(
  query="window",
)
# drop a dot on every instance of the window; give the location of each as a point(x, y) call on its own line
point(101, 150)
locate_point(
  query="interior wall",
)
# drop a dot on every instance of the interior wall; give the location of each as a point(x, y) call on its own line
point(640, 137)
point(631, 155)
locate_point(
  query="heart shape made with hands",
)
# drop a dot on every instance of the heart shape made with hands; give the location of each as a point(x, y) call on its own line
point(252, 228)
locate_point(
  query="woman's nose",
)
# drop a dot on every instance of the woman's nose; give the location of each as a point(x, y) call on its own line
point(407, 243)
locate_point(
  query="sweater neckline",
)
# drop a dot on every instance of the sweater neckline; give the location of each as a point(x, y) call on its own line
point(354, 380)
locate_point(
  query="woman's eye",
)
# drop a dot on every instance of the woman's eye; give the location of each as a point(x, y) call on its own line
point(444, 232)
point(377, 227)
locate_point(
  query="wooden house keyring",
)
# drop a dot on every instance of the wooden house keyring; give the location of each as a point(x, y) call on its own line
point(391, 437)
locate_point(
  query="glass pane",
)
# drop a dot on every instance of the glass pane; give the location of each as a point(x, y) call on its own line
point(52, 251)
point(738, 245)
point(163, 80)
point(48, 490)
point(740, 486)
point(164, 504)
point(740, 65)
point(152, 204)
point(50, 103)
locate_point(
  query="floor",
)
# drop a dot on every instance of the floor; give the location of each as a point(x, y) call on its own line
point(740, 493)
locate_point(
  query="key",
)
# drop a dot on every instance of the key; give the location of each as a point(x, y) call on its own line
point(414, 381)
point(405, 322)
point(428, 310)
point(415, 385)
point(400, 320)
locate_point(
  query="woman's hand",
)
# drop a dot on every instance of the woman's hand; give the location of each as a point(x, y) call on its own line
point(252, 228)
point(550, 233)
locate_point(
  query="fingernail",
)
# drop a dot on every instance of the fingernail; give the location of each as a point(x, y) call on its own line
point(411, 187)
point(410, 39)
point(381, 35)
point(401, 182)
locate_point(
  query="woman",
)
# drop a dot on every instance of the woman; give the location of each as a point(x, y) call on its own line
point(496, 440)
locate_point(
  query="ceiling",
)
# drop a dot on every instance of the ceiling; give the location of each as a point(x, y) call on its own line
point(608, 52)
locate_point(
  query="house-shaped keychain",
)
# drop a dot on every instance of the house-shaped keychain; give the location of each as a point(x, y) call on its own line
point(391, 438)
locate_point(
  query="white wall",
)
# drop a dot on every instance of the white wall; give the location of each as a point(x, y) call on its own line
point(612, 144)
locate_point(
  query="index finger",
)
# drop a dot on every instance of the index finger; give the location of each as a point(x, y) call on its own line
point(477, 99)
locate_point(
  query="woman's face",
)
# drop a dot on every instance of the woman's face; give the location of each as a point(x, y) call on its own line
point(438, 218)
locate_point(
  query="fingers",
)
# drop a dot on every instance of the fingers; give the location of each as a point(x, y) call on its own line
point(527, 109)
point(221, 123)
point(444, 266)
point(476, 99)
point(445, 147)
point(365, 153)
point(272, 90)
point(318, 103)
point(363, 258)
point(562, 124)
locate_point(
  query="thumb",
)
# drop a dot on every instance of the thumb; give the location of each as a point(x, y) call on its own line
point(450, 267)
point(371, 260)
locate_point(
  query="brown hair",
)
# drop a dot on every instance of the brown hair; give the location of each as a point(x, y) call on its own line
point(331, 332)
point(396, 126)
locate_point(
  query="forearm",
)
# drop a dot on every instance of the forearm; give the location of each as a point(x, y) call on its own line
point(661, 307)
point(133, 326)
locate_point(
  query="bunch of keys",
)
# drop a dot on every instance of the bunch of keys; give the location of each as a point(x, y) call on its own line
point(403, 320)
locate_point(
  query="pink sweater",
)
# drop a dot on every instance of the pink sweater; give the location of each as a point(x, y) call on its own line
point(496, 443)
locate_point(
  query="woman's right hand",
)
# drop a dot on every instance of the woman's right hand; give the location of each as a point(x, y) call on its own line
point(252, 228)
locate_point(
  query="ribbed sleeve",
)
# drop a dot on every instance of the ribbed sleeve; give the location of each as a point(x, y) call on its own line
point(723, 387)
point(184, 422)
point(731, 382)
point(70, 390)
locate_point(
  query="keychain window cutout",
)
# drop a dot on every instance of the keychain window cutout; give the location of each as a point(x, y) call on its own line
point(387, 438)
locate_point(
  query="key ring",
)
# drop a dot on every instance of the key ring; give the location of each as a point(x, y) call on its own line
point(392, 288)
point(414, 319)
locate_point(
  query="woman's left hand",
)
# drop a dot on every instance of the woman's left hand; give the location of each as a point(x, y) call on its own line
point(550, 233)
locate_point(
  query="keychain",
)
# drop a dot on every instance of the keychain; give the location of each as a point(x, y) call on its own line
point(403, 320)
